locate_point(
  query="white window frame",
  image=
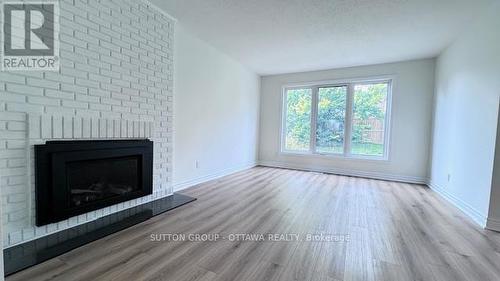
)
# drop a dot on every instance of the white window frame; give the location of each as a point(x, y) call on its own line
point(314, 86)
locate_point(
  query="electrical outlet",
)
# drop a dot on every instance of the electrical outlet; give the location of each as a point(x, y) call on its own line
point(197, 164)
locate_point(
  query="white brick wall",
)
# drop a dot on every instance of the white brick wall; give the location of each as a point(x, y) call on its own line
point(115, 81)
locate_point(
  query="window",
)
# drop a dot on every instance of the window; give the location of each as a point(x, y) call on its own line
point(345, 119)
point(368, 119)
point(298, 119)
point(330, 121)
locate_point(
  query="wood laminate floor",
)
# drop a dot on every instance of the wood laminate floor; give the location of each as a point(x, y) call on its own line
point(392, 231)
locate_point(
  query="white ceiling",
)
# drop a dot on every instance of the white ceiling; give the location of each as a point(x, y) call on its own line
point(282, 36)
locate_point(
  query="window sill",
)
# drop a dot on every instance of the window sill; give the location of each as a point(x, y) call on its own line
point(378, 159)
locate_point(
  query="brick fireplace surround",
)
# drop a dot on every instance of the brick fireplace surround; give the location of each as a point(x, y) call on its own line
point(115, 82)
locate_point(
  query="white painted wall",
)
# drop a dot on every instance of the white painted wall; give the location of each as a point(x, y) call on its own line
point(216, 105)
point(411, 122)
point(466, 111)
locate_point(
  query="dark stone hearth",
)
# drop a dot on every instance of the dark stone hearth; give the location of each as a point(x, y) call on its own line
point(37, 251)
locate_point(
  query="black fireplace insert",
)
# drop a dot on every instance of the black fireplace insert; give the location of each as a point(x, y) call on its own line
point(75, 177)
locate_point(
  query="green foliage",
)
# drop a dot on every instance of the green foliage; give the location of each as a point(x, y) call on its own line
point(298, 119)
point(369, 104)
point(369, 101)
point(331, 118)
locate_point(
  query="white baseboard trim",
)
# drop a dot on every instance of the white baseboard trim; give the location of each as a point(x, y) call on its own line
point(345, 172)
point(470, 211)
point(212, 176)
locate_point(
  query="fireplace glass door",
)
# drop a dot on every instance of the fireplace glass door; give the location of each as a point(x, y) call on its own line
point(94, 180)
